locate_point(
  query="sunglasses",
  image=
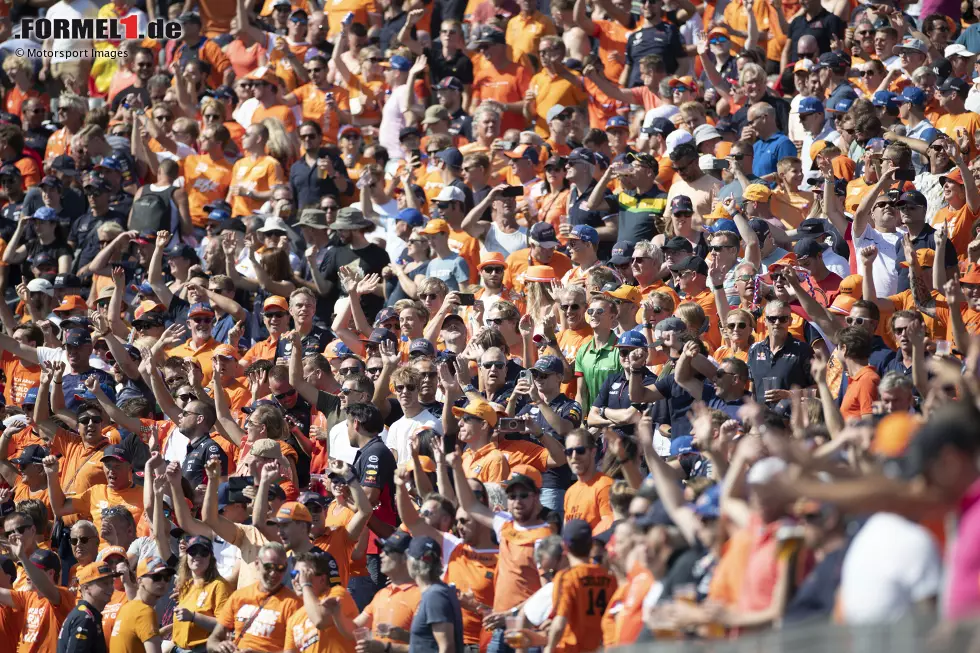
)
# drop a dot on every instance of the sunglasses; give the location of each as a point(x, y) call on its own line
point(349, 371)
point(718, 41)
point(855, 321)
point(85, 539)
point(493, 269)
point(595, 311)
point(275, 315)
point(348, 391)
point(428, 375)
point(307, 137)
point(578, 451)
point(20, 530)
point(202, 320)
point(405, 388)
point(472, 419)
point(738, 325)
point(314, 507)
point(374, 370)
point(162, 577)
point(496, 321)
point(718, 248)
point(518, 496)
point(270, 567)
point(570, 307)
point(494, 364)
point(428, 296)
point(283, 395)
point(777, 319)
point(90, 419)
point(199, 552)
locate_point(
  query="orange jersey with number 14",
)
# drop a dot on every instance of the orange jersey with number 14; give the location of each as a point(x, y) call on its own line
point(581, 594)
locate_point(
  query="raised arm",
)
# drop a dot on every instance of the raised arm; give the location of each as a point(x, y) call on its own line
point(580, 16)
point(471, 223)
point(407, 512)
point(42, 583)
point(863, 214)
point(817, 312)
point(753, 249)
point(831, 413)
point(115, 310)
point(468, 500)
point(612, 90)
point(185, 518)
point(228, 425)
point(154, 275)
point(223, 528)
point(666, 480)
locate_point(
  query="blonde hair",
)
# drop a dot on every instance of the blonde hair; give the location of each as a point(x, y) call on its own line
point(110, 229)
point(212, 103)
point(14, 64)
point(272, 419)
point(693, 316)
point(281, 144)
point(73, 101)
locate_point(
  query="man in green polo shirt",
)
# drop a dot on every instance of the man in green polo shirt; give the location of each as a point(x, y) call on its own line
point(598, 358)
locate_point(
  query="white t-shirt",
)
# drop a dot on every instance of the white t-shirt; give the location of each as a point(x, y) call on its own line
point(400, 432)
point(891, 565)
point(70, 10)
point(243, 114)
point(884, 271)
point(499, 241)
point(392, 122)
point(339, 443)
point(538, 608)
point(176, 449)
point(227, 556)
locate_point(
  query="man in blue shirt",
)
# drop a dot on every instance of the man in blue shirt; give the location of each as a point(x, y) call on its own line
point(770, 146)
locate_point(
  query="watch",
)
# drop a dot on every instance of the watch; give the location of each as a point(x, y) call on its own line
point(469, 387)
point(602, 412)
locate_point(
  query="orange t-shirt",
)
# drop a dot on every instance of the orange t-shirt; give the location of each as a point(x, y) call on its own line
point(14, 102)
point(612, 36)
point(550, 90)
point(244, 60)
point(42, 620)
point(862, 391)
point(202, 355)
point(486, 464)
point(279, 112)
point(508, 84)
point(93, 500)
point(959, 223)
point(631, 620)
point(589, 500)
point(581, 595)
point(611, 617)
point(518, 262)
point(951, 125)
point(81, 465)
point(394, 605)
point(302, 635)
point(313, 103)
point(521, 452)
point(569, 342)
point(524, 32)
point(20, 378)
point(206, 181)
point(111, 611)
point(338, 516)
point(255, 175)
point(22, 492)
point(517, 575)
point(337, 542)
point(267, 632)
point(470, 570)
point(265, 350)
point(58, 144)
point(337, 10)
point(30, 172)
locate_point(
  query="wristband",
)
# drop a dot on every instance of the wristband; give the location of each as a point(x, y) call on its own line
point(57, 382)
point(638, 371)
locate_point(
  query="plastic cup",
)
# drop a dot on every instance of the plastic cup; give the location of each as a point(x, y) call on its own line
point(362, 635)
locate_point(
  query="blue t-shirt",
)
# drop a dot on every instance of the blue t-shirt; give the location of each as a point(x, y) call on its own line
point(439, 605)
point(679, 402)
point(453, 270)
point(767, 153)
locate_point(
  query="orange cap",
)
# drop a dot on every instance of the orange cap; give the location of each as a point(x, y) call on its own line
point(843, 167)
point(112, 551)
point(787, 261)
point(491, 258)
point(264, 74)
point(428, 465)
point(687, 81)
point(275, 301)
point(152, 565)
point(436, 226)
point(717, 31)
point(71, 303)
point(540, 273)
point(294, 511)
point(842, 304)
point(479, 408)
point(851, 285)
point(226, 350)
point(528, 471)
point(893, 434)
point(971, 276)
point(955, 176)
point(817, 147)
point(147, 307)
point(95, 571)
point(925, 257)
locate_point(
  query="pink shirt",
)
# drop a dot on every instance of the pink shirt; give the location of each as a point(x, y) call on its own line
point(963, 576)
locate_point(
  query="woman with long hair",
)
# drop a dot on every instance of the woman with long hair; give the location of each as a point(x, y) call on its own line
point(273, 273)
point(552, 203)
point(201, 591)
point(400, 277)
point(282, 145)
point(540, 299)
point(214, 112)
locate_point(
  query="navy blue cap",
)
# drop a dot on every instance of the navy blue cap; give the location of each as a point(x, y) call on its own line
point(808, 246)
point(582, 155)
point(449, 84)
point(67, 281)
point(256, 404)
point(385, 314)
point(543, 233)
point(46, 559)
point(32, 453)
point(810, 105)
point(413, 217)
point(760, 227)
point(842, 106)
point(78, 337)
point(681, 204)
point(225, 498)
point(31, 397)
point(380, 335)
point(397, 542)
point(692, 263)
point(832, 60)
point(451, 156)
point(912, 198)
point(421, 347)
point(678, 244)
point(49, 180)
point(656, 515)
point(424, 548)
point(913, 95)
point(954, 84)
point(622, 252)
point(549, 365)
point(117, 451)
point(662, 126)
point(576, 533)
point(632, 339)
point(111, 162)
point(181, 250)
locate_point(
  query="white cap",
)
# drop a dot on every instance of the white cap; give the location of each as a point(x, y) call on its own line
point(957, 50)
point(450, 194)
point(706, 162)
point(274, 224)
point(677, 137)
point(704, 133)
point(666, 111)
point(765, 470)
point(40, 285)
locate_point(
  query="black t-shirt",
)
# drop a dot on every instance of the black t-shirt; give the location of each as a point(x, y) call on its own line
point(822, 27)
point(663, 39)
point(370, 259)
point(461, 124)
point(54, 249)
point(72, 203)
point(313, 342)
point(37, 139)
point(458, 66)
point(84, 233)
point(374, 465)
